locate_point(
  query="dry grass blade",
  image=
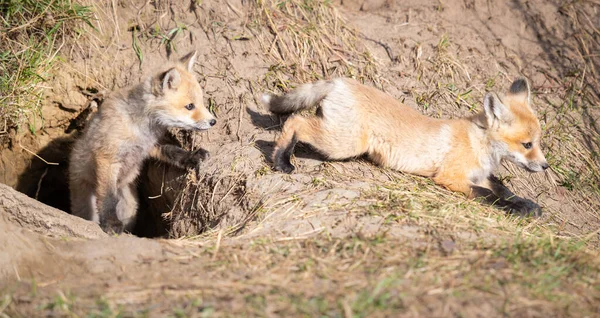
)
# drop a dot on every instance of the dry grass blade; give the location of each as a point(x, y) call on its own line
point(308, 40)
point(31, 35)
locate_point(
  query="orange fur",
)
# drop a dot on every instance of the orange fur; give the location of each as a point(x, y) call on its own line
point(459, 154)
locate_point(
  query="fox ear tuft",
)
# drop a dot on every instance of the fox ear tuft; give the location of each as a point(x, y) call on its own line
point(520, 88)
point(170, 80)
point(495, 110)
point(189, 60)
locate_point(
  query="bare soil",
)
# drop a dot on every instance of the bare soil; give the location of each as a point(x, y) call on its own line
point(334, 238)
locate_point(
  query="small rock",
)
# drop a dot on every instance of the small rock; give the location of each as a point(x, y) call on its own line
point(448, 246)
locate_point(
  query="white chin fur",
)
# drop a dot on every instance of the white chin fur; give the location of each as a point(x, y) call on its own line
point(520, 160)
point(202, 126)
point(183, 123)
point(535, 167)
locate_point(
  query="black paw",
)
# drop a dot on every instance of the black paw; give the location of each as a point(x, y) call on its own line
point(195, 157)
point(285, 167)
point(111, 225)
point(282, 161)
point(525, 208)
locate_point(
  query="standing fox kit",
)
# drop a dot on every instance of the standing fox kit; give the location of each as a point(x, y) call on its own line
point(108, 157)
point(459, 154)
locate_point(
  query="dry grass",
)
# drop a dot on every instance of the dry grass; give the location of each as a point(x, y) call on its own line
point(306, 40)
point(433, 253)
point(574, 126)
point(309, 40)
point(440, 273)
point(31, 36)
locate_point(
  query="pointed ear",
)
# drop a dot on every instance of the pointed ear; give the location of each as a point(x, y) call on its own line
point(520, 90)
point(170, 80)
point(189, 60)
point(494, 110)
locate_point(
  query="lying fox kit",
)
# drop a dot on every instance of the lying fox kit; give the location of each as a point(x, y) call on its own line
point(459, 154)
point(125, 131)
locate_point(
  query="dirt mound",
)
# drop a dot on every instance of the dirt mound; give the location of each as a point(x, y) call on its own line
point(334, 238)
point(246, 49)
point(32, 215)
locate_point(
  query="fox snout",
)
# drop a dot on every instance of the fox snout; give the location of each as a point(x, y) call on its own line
point(537, 166)
point(531, 165)
point(203, 118)
point(535, 159)
point(532, 162)
point(205, 124)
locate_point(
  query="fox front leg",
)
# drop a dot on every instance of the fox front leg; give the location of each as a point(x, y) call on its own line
point(178, 156)
point(494, 192)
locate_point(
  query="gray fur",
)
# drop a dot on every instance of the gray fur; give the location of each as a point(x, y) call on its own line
point(519, 86)
point(126, 130)
point(302, 97)
point(104, 133)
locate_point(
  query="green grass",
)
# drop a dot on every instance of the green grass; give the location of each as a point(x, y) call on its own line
point(515, 267)
point(31, 35)
point(520, 267)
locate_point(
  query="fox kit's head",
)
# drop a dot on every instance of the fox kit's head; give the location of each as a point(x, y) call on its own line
point(179, 97)
point(514, 127)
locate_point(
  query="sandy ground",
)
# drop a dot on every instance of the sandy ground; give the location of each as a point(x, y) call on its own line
point(435, 56)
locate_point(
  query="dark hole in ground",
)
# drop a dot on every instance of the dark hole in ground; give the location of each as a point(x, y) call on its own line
point(48, 183)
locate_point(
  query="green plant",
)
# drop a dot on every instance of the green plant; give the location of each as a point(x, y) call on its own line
point(31, 35)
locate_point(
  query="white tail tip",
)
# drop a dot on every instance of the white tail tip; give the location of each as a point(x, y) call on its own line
point(265, 99)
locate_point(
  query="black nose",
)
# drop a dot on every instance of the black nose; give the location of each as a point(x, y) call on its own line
point(212, 122)
point(545, 165)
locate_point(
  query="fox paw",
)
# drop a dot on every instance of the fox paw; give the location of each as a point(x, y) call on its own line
point(195, 157)
point(111, 225)
point(284, 167)
point(526, 208)
point(282, 162)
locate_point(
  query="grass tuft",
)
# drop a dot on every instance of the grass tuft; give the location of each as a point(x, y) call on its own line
point(309, 40)
point(31, 34)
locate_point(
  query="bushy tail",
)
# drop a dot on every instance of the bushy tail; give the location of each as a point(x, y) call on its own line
point(302, 97)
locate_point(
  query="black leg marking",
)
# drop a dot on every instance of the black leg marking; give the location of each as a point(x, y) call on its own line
point(512, 205)
point(282, 157)
point(182, 158)
point(524, 207)
point(192, 159)
point(499, 188)
point(109, 222)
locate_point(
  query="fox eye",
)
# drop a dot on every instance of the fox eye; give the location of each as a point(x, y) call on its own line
point(190, 106)
point(527, 145)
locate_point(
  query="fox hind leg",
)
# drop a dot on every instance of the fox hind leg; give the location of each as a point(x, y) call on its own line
point(284, 146)
point(335, 144)
point(127, 206)
point(282, 155)
point(296, 128)
point(83, 201)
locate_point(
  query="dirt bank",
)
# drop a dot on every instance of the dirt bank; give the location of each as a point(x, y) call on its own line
point(335, 238)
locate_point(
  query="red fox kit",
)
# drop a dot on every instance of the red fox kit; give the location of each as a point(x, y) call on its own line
point(124, 132)
point(459, 154)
